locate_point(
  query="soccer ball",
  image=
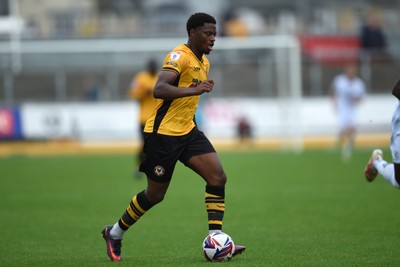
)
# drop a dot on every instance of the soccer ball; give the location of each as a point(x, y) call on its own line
point(218, 247)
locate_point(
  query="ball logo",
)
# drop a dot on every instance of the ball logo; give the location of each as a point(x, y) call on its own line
point(159, 170)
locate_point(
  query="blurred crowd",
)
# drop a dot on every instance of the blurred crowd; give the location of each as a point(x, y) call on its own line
point(331, 33)
point(137, 18)
point(375, 23)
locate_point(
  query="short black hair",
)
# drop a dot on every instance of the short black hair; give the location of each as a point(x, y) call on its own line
point(199, 19)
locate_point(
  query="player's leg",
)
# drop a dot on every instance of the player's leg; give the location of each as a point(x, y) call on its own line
point(348, 136)
point(201, 157)
point(341, 134)
point(140, 153)
point(209, 167)
point(158, 168)
point(350, 139)
point(340, 139)
point(113, 234)
point(389, 171)
point(347, 143)
point(139, 205)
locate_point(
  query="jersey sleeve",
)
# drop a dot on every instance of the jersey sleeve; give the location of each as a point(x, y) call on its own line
point(175, 61)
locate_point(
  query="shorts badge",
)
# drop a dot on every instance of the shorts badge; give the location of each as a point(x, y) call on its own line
point(159, 170)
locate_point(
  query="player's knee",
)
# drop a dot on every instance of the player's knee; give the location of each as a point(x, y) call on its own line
point(218, 179)
point(156, 197)
point(223, 179)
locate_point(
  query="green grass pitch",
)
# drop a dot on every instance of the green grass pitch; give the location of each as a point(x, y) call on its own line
point(289, 209)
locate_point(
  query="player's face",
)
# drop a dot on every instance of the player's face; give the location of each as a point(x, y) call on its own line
point(351, 71)
point(205, 37)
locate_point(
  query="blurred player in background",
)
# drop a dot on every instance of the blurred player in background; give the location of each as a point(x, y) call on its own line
point(244, 130)
point(347, 90)
point(171, 135)
point(373, 40)
point(376, 164)
point(141, 90)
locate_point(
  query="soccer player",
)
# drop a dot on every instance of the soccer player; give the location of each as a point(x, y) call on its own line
point(171, 134)
point(141, 90)
point(376, 164)
point(347, 91)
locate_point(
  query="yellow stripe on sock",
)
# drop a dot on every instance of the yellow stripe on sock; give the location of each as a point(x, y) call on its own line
point(124, 223)
point(135, 202)
point(132, 213)
point(208, 195)
point(215, 222)
point(215, 206)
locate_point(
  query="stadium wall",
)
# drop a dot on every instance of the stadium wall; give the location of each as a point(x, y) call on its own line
point(218, 117)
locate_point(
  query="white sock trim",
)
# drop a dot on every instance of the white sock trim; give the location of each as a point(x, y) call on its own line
point(214, 231)
point(116, 232)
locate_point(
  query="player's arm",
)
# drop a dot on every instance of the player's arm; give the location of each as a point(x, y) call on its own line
point(359, 94)
point(165, 88)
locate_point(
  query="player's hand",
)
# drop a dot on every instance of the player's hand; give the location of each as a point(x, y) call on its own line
point(206, 86)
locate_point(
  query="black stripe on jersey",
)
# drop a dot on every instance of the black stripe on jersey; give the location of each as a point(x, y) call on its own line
point(161, 114)
point(162, 111)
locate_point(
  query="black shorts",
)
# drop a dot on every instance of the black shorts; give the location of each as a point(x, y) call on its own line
point(163, 151)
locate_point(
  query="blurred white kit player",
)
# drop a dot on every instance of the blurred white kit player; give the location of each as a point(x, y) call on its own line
point(376, 164)
point(347, 91)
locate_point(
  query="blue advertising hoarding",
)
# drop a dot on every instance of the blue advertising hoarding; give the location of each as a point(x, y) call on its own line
point(10, 123)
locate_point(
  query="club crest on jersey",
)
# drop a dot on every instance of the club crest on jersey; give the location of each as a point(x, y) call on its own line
point(175, 55)
point(159, 170)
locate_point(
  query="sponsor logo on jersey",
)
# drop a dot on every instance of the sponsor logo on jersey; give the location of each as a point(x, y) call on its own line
point(171, 64)
point(195, 82)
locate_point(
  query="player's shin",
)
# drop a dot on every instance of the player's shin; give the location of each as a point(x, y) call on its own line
point(215, 206)
point(138, 206)
point(387, 171)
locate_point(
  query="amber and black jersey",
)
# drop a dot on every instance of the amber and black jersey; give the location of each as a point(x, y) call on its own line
point(176, 117)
